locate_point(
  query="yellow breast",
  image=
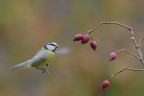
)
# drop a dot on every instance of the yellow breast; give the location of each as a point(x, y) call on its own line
point(51, 54)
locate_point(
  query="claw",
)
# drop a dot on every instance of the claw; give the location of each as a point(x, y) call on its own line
point(47, 65)
point(44, 70)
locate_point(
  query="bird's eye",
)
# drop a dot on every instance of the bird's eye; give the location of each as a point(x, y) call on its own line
point(46, 47)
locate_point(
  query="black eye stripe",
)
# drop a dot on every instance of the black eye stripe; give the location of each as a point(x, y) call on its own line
point(51, 44)
point(46, 47)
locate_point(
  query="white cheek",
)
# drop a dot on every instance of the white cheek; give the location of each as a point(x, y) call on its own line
point(51, 48)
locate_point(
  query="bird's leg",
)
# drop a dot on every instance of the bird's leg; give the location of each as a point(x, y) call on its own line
point(47, 64)
point(44, 70)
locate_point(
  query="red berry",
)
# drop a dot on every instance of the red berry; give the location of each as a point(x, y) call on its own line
point(93, 44)
point(105, 84)
point(78, 37)
point(112, 56)
point(85, 38)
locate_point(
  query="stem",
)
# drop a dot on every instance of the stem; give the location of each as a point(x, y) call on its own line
point(124, 70)
point(91, 38)
point(116, 23)
point(132, 37)
point(141, 42)
point(128, 53)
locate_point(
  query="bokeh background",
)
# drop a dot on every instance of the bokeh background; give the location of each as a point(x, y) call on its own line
point(26, 25)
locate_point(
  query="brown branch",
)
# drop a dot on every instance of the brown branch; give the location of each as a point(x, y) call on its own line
point(132, 69)
point(132, 37)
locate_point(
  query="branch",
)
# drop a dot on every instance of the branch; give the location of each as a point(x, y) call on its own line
point(116, 23)
point(132, 69)
point(141, 42)
point(128, 53)
point(132, 37)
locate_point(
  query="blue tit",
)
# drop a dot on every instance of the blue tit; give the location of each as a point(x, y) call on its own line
point(41, 58)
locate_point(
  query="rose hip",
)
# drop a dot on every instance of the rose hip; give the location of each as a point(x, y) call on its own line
point(105, 84)
point(78, 37)
point(93, 45)
point(85, 38)
point(112, 56)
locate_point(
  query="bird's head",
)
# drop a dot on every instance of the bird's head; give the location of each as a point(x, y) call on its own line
point(52, 46)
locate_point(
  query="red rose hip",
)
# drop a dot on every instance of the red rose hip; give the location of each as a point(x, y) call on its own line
point(112, 56)
point(105, 84)
point(93, 45)
point(78, 37)
point(85, 38)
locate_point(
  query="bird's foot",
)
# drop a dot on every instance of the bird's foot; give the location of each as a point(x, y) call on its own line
point(47, 65)
point(44, 70)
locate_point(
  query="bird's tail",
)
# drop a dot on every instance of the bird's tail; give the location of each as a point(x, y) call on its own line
point(23, 64)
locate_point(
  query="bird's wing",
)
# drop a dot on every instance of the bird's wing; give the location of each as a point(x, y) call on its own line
point(42, 54)
point(63, 50)
point(40, 58)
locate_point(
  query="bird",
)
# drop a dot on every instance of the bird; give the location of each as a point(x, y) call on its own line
point(41, 57)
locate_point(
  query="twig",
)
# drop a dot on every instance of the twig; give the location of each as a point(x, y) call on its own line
point(141, 42)
point(116, 23)
point(128, 53)
point(132, 37)
point(124, 70)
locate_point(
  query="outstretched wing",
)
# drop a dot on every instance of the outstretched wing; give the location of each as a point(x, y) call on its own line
point(63, 50)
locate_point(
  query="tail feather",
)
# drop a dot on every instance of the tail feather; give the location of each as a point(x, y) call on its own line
point(23, 64)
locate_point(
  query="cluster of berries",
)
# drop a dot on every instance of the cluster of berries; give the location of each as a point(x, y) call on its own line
point(85, 39)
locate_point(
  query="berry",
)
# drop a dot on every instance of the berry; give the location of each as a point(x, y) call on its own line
point(93, 45)
point(78, 37)
point(112, 56)
point(85, 38)
point(105, 84)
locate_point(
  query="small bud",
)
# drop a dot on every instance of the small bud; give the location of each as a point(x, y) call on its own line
point(85, 38)
point(93, 44)
point(105, 84)
point(78, 37)
point(112, 56)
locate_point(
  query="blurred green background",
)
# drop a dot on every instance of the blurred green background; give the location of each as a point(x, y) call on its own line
point(26, 25)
